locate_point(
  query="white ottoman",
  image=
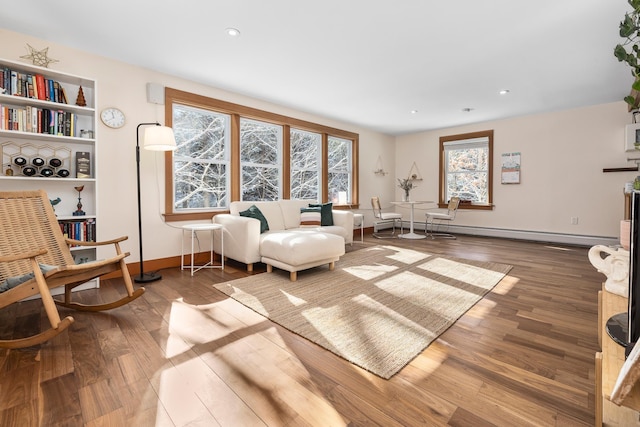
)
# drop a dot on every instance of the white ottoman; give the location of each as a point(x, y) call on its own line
point(295, 250)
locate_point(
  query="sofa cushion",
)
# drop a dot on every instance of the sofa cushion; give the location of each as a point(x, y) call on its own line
point(326, 213)
point(291, 211)
point(310, 217)
point(254, 212)
point(270, 210)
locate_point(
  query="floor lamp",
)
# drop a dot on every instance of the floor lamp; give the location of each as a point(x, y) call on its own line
point(156, 138)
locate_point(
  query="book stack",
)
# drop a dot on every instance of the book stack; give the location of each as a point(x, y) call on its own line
point(34, 86)
point(38, 120)
point(84, 231)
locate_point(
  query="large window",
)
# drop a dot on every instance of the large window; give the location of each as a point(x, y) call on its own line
point(231, 152)
point(201, 161)
point(306, 164)
point(466, 169)
point(260, 153)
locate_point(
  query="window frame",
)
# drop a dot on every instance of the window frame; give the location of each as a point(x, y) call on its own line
point(236, 111)
point(442, 190)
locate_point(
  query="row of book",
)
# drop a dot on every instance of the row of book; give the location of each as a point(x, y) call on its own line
point(38, 120)
point(34, 86)
point(84, 230)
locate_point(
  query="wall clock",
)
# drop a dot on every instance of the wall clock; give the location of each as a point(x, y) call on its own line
point(112, 117)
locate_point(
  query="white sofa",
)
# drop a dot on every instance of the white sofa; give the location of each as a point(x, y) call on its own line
point(286, 244)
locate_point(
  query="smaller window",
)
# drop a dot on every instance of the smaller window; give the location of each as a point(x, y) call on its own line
point(466, 168)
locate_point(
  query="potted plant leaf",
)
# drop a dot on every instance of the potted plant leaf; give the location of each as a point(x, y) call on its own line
point(629, 50)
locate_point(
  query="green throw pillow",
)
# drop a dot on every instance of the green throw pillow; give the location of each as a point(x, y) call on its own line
point(254, 212)
point(326, 212)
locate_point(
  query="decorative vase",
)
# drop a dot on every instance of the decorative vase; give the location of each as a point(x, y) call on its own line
point(405, 198)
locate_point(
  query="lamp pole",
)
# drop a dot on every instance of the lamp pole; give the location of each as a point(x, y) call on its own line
point(142, 277)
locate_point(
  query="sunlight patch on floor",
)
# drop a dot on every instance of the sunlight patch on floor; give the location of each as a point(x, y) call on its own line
point(481, 309)
point(406, 256)
point(371, 317)
point(423, 291)
point(432, 357)
point(505, 285)
point(190, 325)
point(461, 272)
point(294, 300)
point(369, 272)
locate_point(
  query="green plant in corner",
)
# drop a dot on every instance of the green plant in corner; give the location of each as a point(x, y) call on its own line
point(629, 50)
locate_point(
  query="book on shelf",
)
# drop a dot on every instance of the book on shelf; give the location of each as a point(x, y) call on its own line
point(83, 164)
point(40, 86)
point(34, 86)
point(38, 120)
point(83, 230)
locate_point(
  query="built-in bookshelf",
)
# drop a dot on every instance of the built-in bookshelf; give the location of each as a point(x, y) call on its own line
point(42, 133)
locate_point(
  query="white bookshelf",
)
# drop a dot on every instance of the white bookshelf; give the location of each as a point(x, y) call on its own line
point(28, 143)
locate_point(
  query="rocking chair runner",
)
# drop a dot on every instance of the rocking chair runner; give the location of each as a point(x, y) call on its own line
point(30, 236)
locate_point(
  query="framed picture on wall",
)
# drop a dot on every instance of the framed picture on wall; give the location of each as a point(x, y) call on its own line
point(510, 171)
point(632, 137)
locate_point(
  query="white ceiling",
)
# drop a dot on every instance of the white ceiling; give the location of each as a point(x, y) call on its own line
point(366, 62)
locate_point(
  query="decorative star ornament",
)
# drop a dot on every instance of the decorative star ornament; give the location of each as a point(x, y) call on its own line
point(39, 57)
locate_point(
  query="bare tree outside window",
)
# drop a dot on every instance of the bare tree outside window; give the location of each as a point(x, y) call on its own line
point(339, 164)
point(232, 152)
point(260, 149)
point(467, 173)
point(306, 150)
point(201, 161)
point(465, 168)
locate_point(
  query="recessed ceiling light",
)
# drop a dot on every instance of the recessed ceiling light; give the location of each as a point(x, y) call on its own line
point(233, 32)
point(467, 110)
point(504, 91)
point(413, 111)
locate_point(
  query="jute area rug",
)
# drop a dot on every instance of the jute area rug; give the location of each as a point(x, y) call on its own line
point(378, 309)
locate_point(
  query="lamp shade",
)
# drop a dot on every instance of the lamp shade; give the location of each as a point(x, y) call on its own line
point(159, 138)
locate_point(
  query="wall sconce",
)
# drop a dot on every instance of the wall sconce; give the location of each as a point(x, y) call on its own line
point(379, 169)
point(414, 173)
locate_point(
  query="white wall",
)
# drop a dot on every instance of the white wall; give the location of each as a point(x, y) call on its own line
point(124, 86)
point(563, 154)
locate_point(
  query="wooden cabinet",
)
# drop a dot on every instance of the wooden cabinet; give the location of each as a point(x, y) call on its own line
point(42, 130)
point(608, 364)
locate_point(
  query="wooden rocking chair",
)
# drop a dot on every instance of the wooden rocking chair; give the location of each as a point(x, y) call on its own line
point(30, 237)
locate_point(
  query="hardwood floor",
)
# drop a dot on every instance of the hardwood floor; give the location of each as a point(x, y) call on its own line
point(185, 354)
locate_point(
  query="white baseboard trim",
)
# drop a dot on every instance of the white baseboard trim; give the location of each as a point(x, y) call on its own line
point(539, 236)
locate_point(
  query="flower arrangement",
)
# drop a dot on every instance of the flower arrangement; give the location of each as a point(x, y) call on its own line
point(407, 185)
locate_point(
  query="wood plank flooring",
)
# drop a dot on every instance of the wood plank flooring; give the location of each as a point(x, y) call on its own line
point(184, 354)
